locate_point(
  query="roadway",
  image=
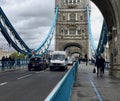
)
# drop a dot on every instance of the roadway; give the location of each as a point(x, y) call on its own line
point(24, 85)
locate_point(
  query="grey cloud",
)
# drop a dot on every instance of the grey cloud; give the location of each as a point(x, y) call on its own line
point(33, 23)
point(3, 2)
point(32, 19)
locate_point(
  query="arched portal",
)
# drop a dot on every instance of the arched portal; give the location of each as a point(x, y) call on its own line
point(72, 26)
point(111, 13)
point(72, 44)
point(71, 48)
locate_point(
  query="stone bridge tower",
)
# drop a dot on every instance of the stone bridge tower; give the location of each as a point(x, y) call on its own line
point(71, 28)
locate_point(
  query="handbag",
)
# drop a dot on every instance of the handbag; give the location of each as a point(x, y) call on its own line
point(94, 70)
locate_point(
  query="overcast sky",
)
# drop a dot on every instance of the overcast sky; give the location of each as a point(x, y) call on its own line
point(32, 19)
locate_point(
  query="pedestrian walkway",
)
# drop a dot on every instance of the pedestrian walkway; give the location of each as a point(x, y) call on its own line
point(89, 87)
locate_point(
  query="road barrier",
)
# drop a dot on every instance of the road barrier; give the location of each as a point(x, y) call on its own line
point(63, 89)
point(8, 65)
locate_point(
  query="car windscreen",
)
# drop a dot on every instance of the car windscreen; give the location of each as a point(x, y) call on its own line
point(58, 57)
point(35, 59)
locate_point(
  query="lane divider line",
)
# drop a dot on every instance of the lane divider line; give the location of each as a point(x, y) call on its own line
point(95, 89)
point(4, 83)
point(24, 76)
point(37, 72)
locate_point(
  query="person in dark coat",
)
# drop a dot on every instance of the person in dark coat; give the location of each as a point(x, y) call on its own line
point(97, 64)
point(3, 62)
point(102, 66)
point(100, 61)
point(86, 59)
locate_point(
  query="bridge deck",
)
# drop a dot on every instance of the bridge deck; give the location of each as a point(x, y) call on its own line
point(89, 87)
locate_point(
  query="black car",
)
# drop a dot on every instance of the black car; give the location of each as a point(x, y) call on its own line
point(37, 63)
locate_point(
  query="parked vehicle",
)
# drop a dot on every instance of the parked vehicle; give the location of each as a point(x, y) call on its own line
point(58, 60)
point(37, 63)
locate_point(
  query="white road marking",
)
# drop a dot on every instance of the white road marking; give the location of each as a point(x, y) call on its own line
point(40, 71)
point(37, 72)
point(24, 76)
point(4, 83)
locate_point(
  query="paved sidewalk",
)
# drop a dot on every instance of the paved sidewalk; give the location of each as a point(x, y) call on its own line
point(89, 87)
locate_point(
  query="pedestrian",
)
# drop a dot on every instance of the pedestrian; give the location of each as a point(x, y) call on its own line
point(102, 65)
point(100, 61)
point(3, 62)
point(97, 64)
point(10, 62)
point(86, 59)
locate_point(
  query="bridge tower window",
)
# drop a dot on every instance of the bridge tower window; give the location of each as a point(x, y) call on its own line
point(78, 1)
point(70, 1)
point(72, 17)
point(83, 31)
point(81, 17)
point(63, 17)
point(66, 1)
point(79, 32)
point(66, 31)
point(74, 1)
point(72, 31)
point(61, 30)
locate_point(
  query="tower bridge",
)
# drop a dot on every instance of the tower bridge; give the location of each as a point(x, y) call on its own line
point(111, 13)
point(72, 30)
point(71, 23)
point(72, 27)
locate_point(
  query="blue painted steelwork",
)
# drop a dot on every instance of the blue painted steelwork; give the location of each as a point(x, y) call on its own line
point(103, 37)
point(102, 40)
point(11, 28)
point(95, 89)
point(10, 41)
point(43, 47)
point(16, 64)
point(63, 89)
point(46, 43)
point(89, 31)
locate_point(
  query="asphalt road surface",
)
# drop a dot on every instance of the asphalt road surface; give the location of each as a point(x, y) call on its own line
point(24, 85)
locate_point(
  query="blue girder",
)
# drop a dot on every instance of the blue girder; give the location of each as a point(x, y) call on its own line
point(48, 37)
point(16, 35)
point(10, 41)
point(45, 43)
point(92, 45)
point(102, 40)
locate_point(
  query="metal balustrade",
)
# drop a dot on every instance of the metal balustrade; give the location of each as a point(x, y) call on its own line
point(16, 64)
point(63, 89)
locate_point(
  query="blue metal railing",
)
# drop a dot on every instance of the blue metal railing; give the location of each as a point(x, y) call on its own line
point(8, 65)
point(62, 91)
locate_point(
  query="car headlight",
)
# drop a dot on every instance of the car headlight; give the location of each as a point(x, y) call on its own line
point(51, 64)
point(62, 64)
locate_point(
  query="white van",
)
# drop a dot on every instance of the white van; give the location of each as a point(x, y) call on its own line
point(58, 60)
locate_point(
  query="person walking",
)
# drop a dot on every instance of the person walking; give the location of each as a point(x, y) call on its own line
point(86, 59)
point(3, 62)
point(102, 66)
point(97, 64)
point(100, 61)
